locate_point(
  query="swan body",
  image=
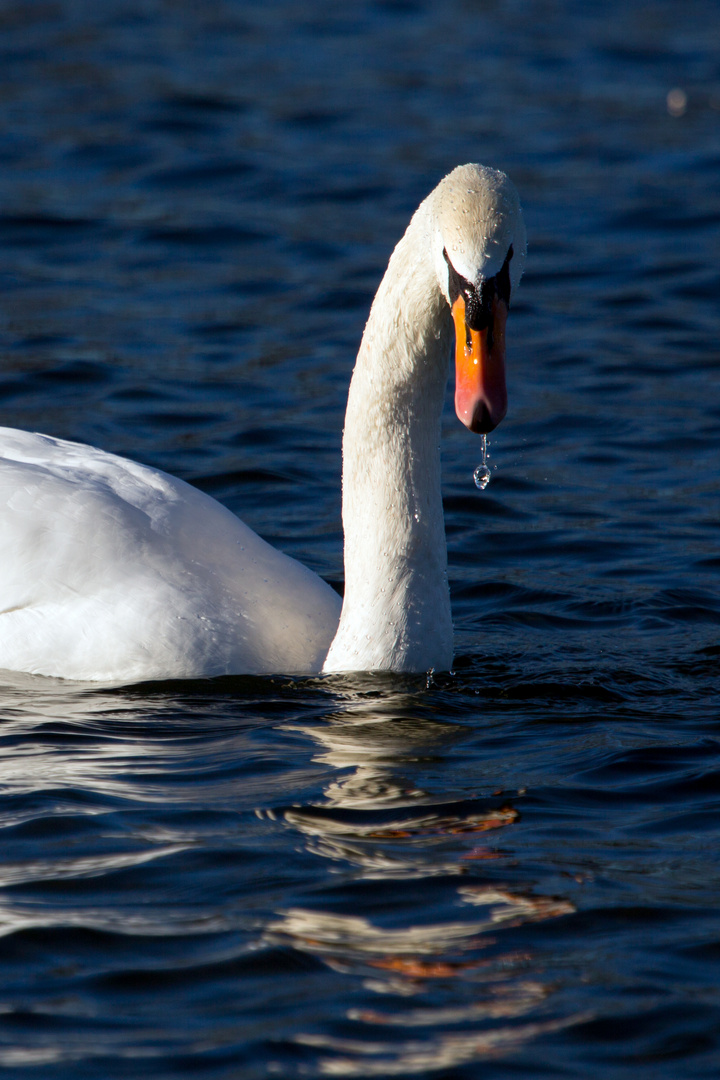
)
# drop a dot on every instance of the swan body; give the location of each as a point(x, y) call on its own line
point(115, 572)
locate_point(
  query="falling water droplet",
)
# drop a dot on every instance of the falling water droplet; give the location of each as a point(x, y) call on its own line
point(481, 476)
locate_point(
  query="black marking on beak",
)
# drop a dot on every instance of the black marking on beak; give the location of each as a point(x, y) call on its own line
point(479, 303)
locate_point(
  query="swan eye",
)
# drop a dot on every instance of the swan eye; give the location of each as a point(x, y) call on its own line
point(456, 283)
point(502, 279)
point(497, 286)
point(477, 304)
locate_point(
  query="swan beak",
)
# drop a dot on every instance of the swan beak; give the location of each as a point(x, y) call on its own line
point(480, 390)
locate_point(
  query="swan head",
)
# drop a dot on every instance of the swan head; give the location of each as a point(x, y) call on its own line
point(479, 249)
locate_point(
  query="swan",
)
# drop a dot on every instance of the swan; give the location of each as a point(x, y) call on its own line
point(114, 572)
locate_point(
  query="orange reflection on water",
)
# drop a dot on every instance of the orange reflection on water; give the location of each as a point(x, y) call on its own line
point(378, 820)
point(424, 969)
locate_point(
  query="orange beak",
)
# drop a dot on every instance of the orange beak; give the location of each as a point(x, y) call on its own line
point(480, 390)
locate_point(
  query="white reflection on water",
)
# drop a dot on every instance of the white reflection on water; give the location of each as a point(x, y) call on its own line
point(91, 754)
point(70, 752)
point(84, 866)
point(165, 922)
point(73, 739)
point(355, 937)
point(383, 825)
point(400, 847)
point(372, 745)
point(444, 1051)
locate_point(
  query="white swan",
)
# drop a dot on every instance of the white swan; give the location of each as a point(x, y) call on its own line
point(111, 571)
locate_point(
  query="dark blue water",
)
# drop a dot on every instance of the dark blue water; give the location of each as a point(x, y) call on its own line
point(509, 871)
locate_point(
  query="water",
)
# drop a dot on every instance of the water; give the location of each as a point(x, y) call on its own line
point(510, 871)
point(482, 475)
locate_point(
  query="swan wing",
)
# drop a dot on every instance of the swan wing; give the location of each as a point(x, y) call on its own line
point(114, 571)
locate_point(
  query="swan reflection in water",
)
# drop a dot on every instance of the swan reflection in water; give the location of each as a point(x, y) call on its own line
point(461, 976)
point(70, 755)
point(436, 981)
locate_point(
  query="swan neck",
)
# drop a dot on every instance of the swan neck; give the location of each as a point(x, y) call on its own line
point(396, 610)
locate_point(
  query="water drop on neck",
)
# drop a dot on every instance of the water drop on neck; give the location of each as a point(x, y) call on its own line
point(481, 476)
